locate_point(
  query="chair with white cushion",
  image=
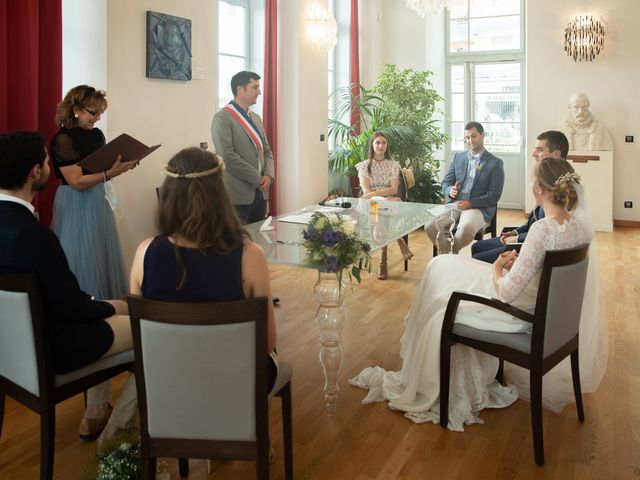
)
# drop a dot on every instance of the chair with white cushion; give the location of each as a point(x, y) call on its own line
point(554, 335)
point(26, 372)
point(201, 376)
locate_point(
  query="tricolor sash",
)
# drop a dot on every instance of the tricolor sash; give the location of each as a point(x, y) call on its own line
point(247, 125)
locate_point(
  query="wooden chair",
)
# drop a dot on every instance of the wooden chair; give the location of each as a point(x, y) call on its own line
point(26, 372)
point(490, 227)
point(554, 335)
point(201, 376)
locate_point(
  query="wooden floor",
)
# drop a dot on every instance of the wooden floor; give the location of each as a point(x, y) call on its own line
point(373, 442)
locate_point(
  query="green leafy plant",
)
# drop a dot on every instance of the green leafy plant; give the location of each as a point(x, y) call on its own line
point(352, 148)
point(332, 246)
point(402, 104)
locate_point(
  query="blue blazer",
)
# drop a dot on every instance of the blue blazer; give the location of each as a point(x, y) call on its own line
point(487, 184)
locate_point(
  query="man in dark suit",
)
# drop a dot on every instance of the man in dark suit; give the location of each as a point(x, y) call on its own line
point(552, 144)
point(474, 182)
point(80, 328)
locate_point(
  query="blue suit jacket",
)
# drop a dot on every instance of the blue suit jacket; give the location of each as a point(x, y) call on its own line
point(487, 184)
point(536, 214)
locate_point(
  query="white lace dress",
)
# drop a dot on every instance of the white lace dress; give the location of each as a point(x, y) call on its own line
point(382, 173)
point(415, 389)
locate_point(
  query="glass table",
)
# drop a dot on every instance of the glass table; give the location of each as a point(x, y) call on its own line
point(394, 220)
point(283, 244)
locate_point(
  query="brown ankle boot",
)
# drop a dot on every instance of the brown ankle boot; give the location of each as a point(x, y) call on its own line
point(404, 249)
point(382, 268)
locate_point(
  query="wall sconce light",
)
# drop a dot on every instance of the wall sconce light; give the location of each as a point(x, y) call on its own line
point(583, 38)
point(322, 29)
point(422, 7)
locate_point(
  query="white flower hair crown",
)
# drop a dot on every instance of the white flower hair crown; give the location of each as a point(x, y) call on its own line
point(204, 173)
point(567, 178)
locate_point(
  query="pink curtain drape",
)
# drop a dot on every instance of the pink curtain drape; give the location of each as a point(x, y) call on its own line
point(31, 74)
point(354, 63)
point(270, 105)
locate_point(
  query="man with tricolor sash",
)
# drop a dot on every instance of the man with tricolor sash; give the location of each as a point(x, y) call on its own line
point(239, 138)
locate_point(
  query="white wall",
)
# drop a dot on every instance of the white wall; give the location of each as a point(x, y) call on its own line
point(84, 46)
point(610, 82)
point(175, 113)
point(302, 103)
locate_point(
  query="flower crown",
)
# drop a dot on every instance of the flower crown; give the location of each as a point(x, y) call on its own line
point(567, 178)
point(204, 173)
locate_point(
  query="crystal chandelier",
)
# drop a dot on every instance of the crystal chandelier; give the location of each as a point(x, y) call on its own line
point(422, 7)
point(322, 29)
point(583, 38)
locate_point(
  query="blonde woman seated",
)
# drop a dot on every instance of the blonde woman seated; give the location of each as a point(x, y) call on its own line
point(380, 177)
point(202, 253)
point(513, 278)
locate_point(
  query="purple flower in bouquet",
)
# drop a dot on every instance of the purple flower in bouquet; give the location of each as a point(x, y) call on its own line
point(332, 264)
point(330, 238)
point(309, 234)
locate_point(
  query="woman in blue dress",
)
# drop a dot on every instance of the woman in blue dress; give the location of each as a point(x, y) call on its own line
point(82, 217)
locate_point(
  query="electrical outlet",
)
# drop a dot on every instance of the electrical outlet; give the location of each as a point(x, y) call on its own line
point(628, 204)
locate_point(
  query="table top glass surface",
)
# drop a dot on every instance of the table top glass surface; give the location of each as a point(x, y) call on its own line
point(283, 244)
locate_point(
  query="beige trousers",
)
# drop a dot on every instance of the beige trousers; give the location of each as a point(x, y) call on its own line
point(467, 224)
point(126, 407)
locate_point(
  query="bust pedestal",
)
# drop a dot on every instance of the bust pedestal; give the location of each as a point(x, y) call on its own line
point(595, 167)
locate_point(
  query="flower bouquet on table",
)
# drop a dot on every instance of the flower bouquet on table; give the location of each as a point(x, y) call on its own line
point(332, 246)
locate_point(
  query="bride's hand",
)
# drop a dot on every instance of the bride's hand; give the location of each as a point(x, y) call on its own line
point(506, 259)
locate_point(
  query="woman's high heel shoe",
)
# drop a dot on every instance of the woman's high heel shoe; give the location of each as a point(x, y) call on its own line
point(404, 249)
point(91, 428)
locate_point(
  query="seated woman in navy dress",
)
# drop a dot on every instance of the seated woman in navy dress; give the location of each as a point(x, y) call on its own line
point(202, 253)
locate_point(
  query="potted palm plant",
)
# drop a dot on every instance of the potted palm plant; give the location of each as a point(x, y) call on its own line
point(402, 104)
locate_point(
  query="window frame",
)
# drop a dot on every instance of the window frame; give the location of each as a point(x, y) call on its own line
point(246, 4)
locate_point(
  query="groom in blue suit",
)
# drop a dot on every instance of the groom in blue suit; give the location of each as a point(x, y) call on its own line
point(474, 183)
point(552, 144)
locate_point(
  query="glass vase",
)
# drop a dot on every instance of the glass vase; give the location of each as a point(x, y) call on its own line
point(330, 318)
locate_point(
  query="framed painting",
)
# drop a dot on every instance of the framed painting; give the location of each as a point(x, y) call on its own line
point(168, 46)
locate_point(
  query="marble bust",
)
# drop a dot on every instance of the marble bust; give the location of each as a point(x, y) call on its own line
point(583, 130)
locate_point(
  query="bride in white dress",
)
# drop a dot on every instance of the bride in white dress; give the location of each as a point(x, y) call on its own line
point(513, 279)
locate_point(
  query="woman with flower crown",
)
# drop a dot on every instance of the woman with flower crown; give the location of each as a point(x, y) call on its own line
point(513, 278)
point(202, 253)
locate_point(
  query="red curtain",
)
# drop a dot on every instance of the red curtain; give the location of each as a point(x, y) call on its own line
point(31, 74)
point(270, 105)
point(354, 62)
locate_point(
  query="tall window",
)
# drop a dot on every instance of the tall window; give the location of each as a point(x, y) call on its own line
point(484, 26)
point(233, 44)
point(485, 71)
point(338, 57)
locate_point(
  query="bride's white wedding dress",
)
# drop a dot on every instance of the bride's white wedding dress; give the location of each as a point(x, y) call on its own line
point(415, 389)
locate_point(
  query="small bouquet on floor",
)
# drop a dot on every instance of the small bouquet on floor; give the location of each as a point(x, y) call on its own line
point(332, 246)
point(121, 464)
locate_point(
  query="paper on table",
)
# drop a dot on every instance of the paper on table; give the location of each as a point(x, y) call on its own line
point(266, 226)
point(297, 218)
point(330, 209)
point(102, 159)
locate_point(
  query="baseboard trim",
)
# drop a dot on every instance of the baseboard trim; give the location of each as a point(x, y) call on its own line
point(626, 223)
